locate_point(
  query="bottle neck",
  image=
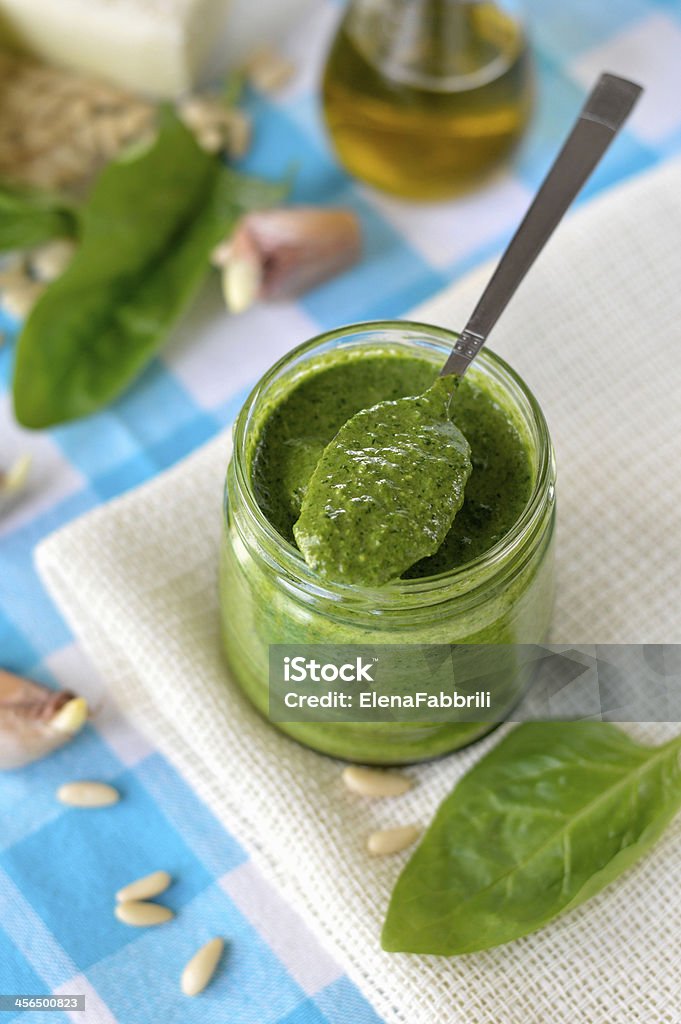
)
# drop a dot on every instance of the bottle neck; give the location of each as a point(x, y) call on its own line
point(437, 44)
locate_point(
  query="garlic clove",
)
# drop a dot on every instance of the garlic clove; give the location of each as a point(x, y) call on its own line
point(242, 271)
point(34, 720)
point(241, 284)
point(305, 247)
point(281, 253)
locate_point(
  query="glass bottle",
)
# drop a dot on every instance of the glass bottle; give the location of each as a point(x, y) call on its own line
point(423, 97)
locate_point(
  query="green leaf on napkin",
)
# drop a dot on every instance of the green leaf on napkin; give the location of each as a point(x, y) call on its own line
point(29, 217)
point(553, 814)
point(148, 228)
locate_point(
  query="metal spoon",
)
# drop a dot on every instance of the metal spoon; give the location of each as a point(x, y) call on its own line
point(603, 114)
point(387, 488)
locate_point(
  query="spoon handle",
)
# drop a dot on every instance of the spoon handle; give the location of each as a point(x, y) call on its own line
point(605, 111)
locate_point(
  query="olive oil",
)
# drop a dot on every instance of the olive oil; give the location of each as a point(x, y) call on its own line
point(423, 97)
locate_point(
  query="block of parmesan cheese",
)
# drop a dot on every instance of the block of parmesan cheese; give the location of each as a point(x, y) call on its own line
point(157, 47)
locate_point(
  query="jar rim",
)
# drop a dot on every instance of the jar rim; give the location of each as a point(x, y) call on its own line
point(287, 560)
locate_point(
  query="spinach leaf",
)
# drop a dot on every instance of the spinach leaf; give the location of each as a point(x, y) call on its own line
point(547, 819)
point(29, 217)
point(147, 231)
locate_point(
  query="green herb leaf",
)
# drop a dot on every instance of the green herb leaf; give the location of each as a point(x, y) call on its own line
point(553, 814)
point(29, 217)
point(147, 232)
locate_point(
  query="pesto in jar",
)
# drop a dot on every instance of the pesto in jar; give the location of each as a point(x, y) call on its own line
point(295, 430)
point(490, 581)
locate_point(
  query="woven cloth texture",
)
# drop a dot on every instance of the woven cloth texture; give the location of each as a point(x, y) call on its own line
point(594, 331)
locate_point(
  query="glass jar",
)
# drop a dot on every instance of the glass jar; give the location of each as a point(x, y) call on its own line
point(270, 596)
point(421, 98)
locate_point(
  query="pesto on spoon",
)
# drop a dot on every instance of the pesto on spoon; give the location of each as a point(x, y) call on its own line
point(385, 491)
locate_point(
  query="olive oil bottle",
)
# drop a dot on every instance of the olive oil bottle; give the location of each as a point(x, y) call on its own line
point(423, 97)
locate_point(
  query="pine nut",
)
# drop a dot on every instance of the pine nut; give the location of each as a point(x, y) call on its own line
point(14, 479)
point(239, 135)
point(268, 71)
point(211, 140)
point(370, 782)
point(49, 261)
point(197, 112)
point(88, 794)
point(142, 915)
point(144, 888)
point(392, 840)
point(201, 968)
point(19, 299)
point(43, 111)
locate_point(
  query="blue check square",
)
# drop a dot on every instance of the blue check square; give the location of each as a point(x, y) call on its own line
point(71, 868)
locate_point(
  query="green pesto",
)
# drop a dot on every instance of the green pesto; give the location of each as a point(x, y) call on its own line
point(386, 489)
point(300, 421)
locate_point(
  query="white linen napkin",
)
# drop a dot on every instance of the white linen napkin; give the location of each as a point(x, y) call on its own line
point(596, 332)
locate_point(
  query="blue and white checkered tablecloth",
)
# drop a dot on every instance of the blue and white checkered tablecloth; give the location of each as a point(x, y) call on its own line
point(58, 870)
